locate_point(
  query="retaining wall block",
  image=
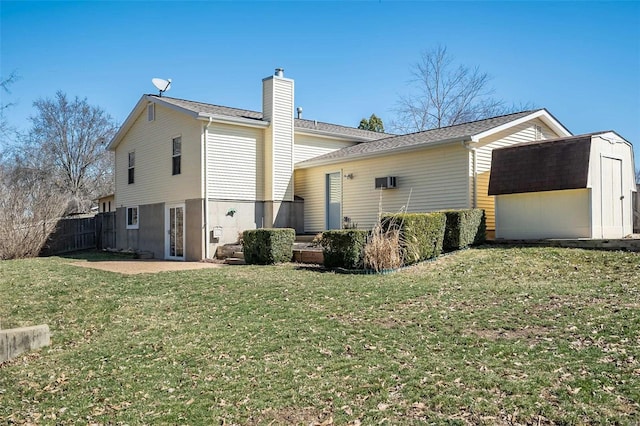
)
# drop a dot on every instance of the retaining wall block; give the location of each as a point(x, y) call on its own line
point(15, 341)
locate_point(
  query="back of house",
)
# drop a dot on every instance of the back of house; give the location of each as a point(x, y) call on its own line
point(191, 176)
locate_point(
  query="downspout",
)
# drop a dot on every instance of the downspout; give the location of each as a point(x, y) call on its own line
point(472, 150)
point(205, 191)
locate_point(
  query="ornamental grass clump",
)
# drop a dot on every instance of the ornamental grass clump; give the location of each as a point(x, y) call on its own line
point(383, 249)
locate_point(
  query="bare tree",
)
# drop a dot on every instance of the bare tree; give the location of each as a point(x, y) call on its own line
point(30, 202)
point(30, 207)
point(6, 130)
point(445, 93)
point(69, 138)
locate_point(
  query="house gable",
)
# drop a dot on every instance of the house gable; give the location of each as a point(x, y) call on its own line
point(151, 141)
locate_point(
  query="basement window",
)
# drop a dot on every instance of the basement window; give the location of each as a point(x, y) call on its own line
point(176, 156)
point(132, 217)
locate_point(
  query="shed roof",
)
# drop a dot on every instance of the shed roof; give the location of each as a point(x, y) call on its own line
point(547, 165)
point(456, 133)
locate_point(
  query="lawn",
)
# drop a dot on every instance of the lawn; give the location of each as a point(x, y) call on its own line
point(483, 336)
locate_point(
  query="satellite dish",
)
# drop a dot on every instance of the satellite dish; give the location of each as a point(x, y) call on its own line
point(161, 85)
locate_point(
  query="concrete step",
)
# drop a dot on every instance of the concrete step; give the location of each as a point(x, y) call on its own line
point(228, 250)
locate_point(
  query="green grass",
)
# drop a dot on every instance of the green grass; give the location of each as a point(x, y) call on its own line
point(482, 336)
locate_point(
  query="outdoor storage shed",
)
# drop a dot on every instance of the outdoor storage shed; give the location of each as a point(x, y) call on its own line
point(571, 187)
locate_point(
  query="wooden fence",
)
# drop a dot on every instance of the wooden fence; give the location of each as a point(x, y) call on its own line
point(106, 230)
point(74, 234)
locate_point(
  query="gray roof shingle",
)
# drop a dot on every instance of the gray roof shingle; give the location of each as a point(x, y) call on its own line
point(302, 124)
point(424, 138)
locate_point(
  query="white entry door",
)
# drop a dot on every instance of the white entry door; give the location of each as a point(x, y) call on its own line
point(611, 200)
point(174, 224)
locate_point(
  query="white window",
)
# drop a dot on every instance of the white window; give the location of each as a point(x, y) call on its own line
point(539, 134)
point(177, 155)
point(151, 112)
point(132, 167)
point(132, 217)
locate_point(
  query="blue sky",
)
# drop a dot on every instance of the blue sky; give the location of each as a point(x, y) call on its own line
point(580, 60)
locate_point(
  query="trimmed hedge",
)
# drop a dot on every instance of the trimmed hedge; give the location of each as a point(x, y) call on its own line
point(343, 248)
point(421, 234)
point(464, 228)
point(268, 246)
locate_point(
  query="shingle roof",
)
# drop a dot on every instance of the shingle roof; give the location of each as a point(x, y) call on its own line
point(547, 165)
point(302, 124)
point(200, 107)
point(456, 132)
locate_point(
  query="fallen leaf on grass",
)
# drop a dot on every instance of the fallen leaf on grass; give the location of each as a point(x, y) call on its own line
point(573, 391)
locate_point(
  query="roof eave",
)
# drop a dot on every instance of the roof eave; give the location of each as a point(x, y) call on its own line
point(137, 110)
point(332, 135)
point(128, 122)
point(361, 156)
point(228, 119)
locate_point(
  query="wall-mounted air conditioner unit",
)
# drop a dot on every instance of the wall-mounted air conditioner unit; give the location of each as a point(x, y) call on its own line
point(386, 182)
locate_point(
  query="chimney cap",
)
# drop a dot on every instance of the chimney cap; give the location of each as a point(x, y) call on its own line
point(279, 72)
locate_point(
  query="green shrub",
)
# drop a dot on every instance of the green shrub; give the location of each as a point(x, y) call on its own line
point(343, 248)
point(421, 234)
point(268, 246)
point(464, 228)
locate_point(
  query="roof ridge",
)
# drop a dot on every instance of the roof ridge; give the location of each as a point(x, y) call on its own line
point(204, 103)
point(474, 121)
point(259, 112)
point(347, 127)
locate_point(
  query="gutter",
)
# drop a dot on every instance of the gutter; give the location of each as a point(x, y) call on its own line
point(361, 156)
point(205, 189)
point(333, 135)
point(227, 119)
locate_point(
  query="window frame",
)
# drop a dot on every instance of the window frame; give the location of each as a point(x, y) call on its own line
point(176, 159)
point(131, 169)
point(134, 224)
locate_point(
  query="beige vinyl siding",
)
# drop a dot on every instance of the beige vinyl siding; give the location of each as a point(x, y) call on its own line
point(525, 132)
point(283, 140)
point(307, 146)
point(152, 143)
point(234, 163)
point(278, 158)
point(427, 180)
point(310, 185)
